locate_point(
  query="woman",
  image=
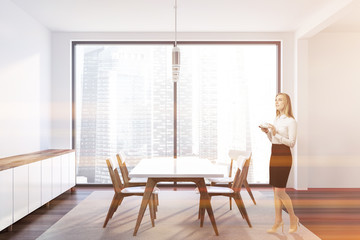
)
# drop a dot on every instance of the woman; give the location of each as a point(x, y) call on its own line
point(282, 136)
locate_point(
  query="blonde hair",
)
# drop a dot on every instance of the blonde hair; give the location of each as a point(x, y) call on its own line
point(288, 109)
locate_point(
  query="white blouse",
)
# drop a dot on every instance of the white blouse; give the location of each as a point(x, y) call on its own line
point(286, 131)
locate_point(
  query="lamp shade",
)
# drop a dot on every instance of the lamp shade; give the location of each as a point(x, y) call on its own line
point(175, 63)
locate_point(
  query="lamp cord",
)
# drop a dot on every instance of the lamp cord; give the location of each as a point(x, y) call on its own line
point(175, 21)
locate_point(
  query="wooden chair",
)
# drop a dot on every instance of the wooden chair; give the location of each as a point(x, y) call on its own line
point(232, 192)
point(234, 155)
point(128, 182)
point(132, 182)
point(121, 192)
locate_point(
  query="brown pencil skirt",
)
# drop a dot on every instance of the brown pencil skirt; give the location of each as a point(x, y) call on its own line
point(280, 165)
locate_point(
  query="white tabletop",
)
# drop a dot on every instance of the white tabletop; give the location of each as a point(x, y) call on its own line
point(181, 167)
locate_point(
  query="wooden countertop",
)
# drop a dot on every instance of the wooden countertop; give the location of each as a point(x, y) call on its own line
point(19, 160)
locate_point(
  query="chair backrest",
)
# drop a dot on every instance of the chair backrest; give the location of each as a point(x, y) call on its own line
point(239, 181)
point(234, 155)
point(114, 176)
point(231, 167)
point(123, 168)
point(236, 178)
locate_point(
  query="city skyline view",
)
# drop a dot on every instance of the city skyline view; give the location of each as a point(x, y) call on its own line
point(124, 102)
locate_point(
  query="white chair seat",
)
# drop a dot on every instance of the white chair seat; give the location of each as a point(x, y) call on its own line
point(138, 180)
point(140, 189)
point(221, 180)
point(212, 189)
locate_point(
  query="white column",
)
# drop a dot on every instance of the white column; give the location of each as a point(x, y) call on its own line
point(301, 106)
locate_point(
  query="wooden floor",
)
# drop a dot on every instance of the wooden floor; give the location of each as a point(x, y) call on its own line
point(329, 213)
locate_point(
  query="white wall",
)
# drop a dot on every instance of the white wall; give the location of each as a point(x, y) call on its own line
point(301, 103)
point(333, 105)
point(24, 82)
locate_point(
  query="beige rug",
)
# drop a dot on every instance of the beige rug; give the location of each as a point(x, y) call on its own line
point(176, 219)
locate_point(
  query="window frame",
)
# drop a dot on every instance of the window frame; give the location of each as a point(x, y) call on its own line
point(278, 45)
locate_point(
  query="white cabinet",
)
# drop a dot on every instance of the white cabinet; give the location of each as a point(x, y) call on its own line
point(34, 186)
point(21, 191)
point(6, 198)
point(46, 180)
point(68, 174)
point(72, 172)
point(31, 180)
point(56, 176)
point(65, 172)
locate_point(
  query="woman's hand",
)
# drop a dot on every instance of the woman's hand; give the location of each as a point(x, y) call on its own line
point(272, 129)
point(265, 130)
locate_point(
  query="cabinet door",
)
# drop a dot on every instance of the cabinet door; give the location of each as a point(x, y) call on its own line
point(56, 176)
point(72, 163)
point(34, 185)
point(21, 191)
point(65, 170)
point(6, 198)
point(46, 180)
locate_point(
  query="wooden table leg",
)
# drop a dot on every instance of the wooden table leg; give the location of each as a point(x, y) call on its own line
point(146, 198)
point(206, 203)
point(202, 207)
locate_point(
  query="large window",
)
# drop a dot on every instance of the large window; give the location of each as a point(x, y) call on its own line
point(124, 102)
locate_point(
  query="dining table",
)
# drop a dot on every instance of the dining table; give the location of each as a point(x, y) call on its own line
point(181, 169)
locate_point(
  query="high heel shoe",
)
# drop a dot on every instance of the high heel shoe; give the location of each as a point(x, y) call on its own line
point(292, 230)
point(275, 227)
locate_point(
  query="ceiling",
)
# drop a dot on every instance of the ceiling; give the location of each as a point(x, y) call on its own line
point(349, 23)
point(193, 15)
